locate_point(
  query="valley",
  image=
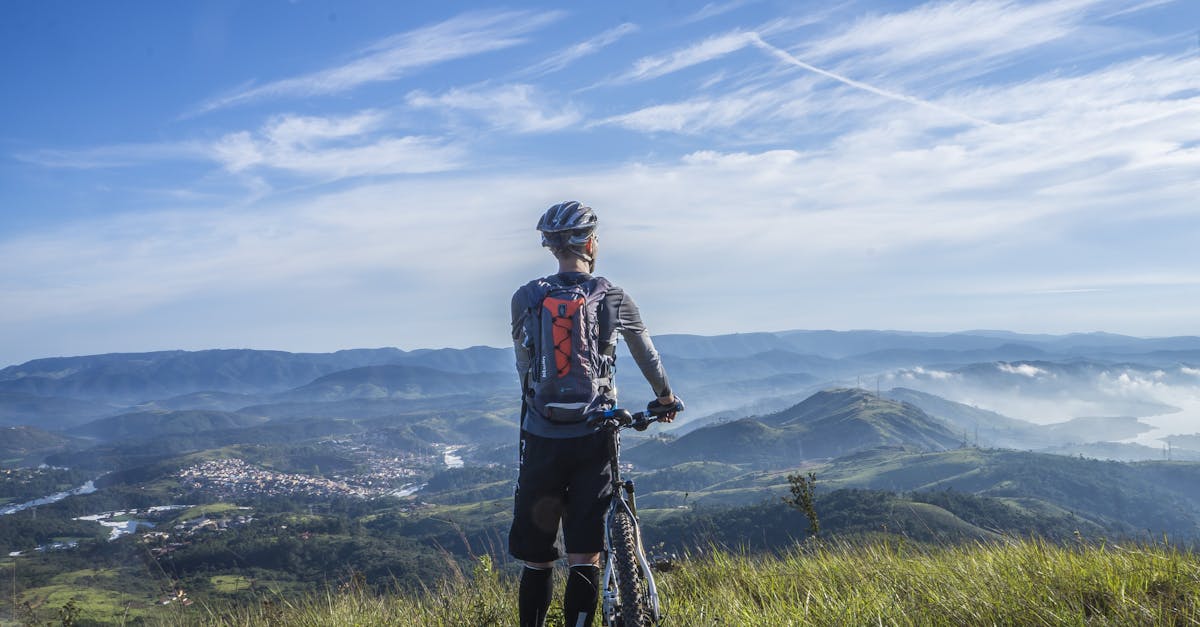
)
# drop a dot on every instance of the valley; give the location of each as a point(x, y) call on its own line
point(184, 481)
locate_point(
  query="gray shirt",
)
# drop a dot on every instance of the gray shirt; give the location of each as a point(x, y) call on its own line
point(620, 315)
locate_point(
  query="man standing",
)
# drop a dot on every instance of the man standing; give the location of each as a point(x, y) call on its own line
point(564, 330)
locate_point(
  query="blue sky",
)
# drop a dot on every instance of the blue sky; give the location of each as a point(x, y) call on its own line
point(312, 176)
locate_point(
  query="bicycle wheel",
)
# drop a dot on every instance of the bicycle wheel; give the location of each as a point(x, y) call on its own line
point(635, 602)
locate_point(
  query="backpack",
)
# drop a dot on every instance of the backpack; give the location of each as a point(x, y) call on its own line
point(571, 366)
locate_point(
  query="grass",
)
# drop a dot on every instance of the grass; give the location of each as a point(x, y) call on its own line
point(229, 584)
point(878, 582)
point(95, 604)
point(205, 510)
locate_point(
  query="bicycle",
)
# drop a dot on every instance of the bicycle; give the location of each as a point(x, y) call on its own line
point(630, 596)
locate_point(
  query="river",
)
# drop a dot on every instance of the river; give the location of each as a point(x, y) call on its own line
point(86, 488)
point(451, 457)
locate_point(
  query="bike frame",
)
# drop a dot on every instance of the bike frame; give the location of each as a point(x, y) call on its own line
point(623, 500)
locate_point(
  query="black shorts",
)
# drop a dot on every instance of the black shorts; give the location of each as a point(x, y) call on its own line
point(567, 480)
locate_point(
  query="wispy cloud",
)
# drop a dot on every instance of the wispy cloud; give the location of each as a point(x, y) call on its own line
point(744, 111)
point(393, 57)
point(955, 40)
point(787, 57)
point(519, 108)
point(333, 147)
point(571, 54)
point(714, 9)
point(651, 67)
point(1144, 5)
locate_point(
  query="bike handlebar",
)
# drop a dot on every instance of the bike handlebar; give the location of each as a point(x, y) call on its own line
point(617, 418)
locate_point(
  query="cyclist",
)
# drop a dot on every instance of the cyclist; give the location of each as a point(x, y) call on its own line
point(564, 464)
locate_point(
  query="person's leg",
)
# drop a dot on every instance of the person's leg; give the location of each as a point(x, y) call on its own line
point(583, 589)
point(537, 508)
point(536, 592)
point(583, 528)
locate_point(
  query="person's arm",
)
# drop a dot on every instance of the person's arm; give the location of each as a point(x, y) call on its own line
point(629, 322)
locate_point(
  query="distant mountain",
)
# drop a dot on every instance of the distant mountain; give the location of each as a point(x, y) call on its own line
point(828, 424)
point(907, 357)
point(728, 376)
point(20, 408)
point(164, 423)
point(475, 359)
point(131, 378)
point(991, 429)
point(137, 377)
point(1122, 452)
point(399, 382)
point(1190, 441)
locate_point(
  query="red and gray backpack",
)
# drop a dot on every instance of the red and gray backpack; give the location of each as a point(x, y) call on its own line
point(571, 368)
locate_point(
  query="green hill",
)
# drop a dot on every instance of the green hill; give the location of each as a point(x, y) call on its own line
point(828, 424)
point(165, 423)
point(25, 444)
point(1130, 498)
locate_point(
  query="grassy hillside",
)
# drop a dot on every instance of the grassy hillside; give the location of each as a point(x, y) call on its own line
point(879, 582)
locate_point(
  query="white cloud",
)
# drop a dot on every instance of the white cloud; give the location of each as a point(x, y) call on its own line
point(714, 9)
point(1025, 370)
point(462, 36)
point(787, 57)
point(712, 48)
point(519, 108)
point(573, 53)
point(333, 147)
point(704, 114)
point(937, 29)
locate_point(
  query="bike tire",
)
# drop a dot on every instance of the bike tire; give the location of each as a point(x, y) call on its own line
point(631, 586)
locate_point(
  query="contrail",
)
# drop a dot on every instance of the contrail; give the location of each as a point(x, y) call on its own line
point(787, 57)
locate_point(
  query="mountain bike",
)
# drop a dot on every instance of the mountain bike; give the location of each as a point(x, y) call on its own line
point(630, 596)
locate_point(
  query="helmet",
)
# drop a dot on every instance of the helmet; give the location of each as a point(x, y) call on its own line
point(568, 224)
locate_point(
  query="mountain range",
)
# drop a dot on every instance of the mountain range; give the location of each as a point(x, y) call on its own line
point(752, 388)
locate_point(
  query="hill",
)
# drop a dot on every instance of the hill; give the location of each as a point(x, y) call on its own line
point(1127, 498)
point(828, 424)
point(29, 445)
point(132, 378)
point(163, 423)
point(20, 408)
point(398, 382)
point(991, 428)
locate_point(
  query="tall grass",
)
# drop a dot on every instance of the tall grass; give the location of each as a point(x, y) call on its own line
point(877, 582)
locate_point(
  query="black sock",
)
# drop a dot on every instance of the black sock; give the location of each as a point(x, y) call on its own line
point(533, 600)
point(582, 591)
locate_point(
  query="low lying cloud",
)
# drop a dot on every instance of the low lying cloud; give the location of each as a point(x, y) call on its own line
point(1025, 370)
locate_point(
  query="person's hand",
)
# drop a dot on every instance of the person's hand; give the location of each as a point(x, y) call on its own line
point(666, 401)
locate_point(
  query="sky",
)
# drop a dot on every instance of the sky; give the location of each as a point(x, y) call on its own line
point(314, 176)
